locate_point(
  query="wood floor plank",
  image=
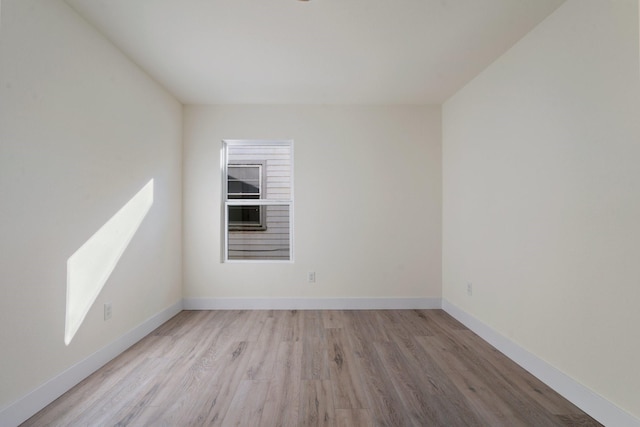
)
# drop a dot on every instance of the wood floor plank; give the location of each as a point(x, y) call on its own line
point(315, 359)
point(316, 404)
point(178, 324)
point(250, 329)
point(89, 391)
point(263, 355)
point(502, 384)
point(482, 400)
point(332, 319)
point(353, 417)
point(345, 379)
point(440, 319)
point(247, 404)
point(534, 388)
point(397, 329)
point(415, 321)
point(282, 406)
point(190, 404)
point(313, 324)
point(415, 400)
point(125, 397)
point(427, 393)
point(292, 368)
point(234, 371)
point(292, 328)
point(195, 384)
point(363, 328)
point(385, 405)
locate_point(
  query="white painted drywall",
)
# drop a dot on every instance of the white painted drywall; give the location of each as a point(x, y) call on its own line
point(541, 196)
point(367, 196)
point(81, 131)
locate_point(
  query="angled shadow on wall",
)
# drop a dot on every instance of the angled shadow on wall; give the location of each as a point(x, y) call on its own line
point(89, 268)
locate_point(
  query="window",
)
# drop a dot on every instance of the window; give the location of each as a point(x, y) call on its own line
point(257, 200)
point(245, 182)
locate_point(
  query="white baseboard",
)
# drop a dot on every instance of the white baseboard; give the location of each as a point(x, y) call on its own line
point(584, 398)
point(310, 303)
point(34, 401)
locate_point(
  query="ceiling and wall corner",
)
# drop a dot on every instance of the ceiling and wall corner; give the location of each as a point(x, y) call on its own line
point(318, 52)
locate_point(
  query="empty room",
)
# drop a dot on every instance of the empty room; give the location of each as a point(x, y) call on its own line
point(319, 212)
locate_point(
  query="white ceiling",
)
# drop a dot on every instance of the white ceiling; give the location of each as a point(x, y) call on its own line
point(315, 52)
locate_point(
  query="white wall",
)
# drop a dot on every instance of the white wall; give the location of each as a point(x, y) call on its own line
point(81, 131)
point(541, 196)
point(367, 190)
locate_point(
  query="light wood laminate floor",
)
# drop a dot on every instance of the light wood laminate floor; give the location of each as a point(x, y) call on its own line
point(309, 368)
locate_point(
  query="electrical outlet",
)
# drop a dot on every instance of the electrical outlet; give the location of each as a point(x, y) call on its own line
point(107, 311)
point(311, 277)
point(469, 288)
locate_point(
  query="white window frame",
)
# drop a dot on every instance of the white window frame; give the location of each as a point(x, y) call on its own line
point(226, 202)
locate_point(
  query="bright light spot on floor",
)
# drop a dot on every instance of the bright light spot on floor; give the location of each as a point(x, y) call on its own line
point(90, 266)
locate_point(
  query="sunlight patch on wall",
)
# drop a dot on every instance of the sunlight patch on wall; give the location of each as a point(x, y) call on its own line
point(90, 266)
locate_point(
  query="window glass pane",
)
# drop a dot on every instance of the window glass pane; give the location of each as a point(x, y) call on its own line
point(244, 215)
point(276, 161)
point(237, 187)
point(245, 173)
point(243, 179)
point(244, 196)
point(272, 243)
